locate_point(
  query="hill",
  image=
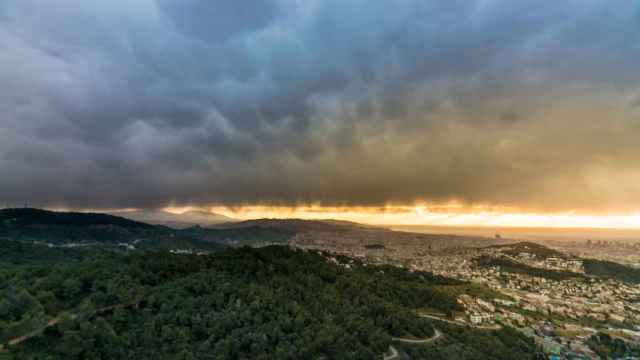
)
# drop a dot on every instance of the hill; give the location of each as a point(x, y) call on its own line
point(540, 252)
point(14, 253)
point(92, 229)
point(296, 225)
point(26, 217)
point(272, 302)
point(509, 266)
point(611, 270)
point(75, 229)
point(177, 221)
point(592, 267)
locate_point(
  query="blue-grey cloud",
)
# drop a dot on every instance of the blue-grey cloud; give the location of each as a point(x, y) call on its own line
point(121, 104)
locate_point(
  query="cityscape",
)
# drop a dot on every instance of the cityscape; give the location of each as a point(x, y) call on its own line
point(559, 306)
point(319, 180)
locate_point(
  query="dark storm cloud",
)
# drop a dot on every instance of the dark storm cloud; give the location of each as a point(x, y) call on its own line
point(143, 104)
point(218, 21)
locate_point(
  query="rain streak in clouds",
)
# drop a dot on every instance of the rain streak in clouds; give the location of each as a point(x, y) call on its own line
point(108, 104)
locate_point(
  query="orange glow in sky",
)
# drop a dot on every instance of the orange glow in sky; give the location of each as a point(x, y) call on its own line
point(448, 215)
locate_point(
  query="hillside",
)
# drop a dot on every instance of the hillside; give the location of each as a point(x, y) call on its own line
point(91, 229)
point(244, 236)
point(176, 221)
point(540, 252)
point(592, 267)
point(611, 270)
point(509, 266)
point(296, 225)
point(265, 303)
point(73, 229)
point(84, 229)
point(28, 217)
point(14, 253)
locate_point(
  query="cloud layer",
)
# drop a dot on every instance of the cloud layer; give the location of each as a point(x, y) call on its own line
point(350, 102)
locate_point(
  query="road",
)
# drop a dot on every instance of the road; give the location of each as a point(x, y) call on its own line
point(394, 351)
point(55, 321)
point(435, 337)
point(32, 334)
point(481, 327)
point(394, 354)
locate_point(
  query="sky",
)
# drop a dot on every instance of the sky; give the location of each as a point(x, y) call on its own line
point(521, 107)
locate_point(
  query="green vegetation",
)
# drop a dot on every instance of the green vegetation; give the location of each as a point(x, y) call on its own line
point(611, 270)
point(61, 228)
point(101, 230)
point(599, 268)
point(466, 343)
point(265, 303)
point(16, 218)
point(513, 267)
point(539, 251)
point(21, 253)
point(245, 236)
point(375, 247)
point(611, 348)
point(473, 290)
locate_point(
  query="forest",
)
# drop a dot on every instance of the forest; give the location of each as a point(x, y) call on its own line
point(608, 347)
point(592, 267)
point(509, 266)
point(69, 229)
point(611, 270)
point(245, 303)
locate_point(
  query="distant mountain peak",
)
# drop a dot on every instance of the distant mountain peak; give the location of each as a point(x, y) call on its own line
point(296, 225)
point(183, 220)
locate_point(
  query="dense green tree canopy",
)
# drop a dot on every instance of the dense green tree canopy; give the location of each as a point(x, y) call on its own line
point(245, 303)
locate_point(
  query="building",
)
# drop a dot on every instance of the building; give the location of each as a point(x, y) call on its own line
point(486, 305)
point(504, 302)
point(553, 262)
point(616, 318)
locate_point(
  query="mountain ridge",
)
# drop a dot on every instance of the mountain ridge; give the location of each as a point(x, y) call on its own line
point(178, 221)
point(32, 217)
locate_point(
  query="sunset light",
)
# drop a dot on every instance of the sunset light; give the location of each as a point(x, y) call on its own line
point(447, 215)
point(320, 179)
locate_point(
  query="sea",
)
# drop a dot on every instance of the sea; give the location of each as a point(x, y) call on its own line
point(527, 233)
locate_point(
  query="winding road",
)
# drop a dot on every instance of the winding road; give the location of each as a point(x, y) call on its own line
point(394, 354)
point(435, 337)
point(394, 351)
